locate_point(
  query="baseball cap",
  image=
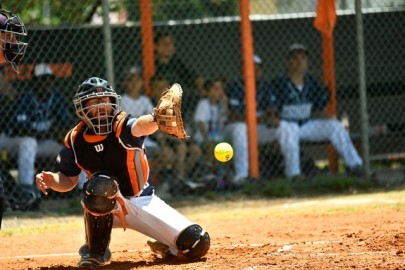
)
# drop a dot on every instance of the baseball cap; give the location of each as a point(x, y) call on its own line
point(297, 47)
point(42, 70)
point(257, 60)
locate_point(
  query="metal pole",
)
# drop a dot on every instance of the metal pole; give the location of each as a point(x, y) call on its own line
point(108, 43)
point(362, 90)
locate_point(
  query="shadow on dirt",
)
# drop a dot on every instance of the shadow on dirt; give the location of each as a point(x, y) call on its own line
point(129, 264)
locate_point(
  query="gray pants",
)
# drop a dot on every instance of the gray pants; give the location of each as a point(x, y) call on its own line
point(26, 149)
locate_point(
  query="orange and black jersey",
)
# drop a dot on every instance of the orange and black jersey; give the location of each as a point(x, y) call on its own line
point(118, 152)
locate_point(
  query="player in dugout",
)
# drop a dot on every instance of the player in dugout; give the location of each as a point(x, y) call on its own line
point(298, 109)
point(12, 30)
point(108, 145)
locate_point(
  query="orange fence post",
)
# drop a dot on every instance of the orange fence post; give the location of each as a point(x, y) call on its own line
point(250, 87)
point(148, 57)
point(330, 83)
point(325, 22)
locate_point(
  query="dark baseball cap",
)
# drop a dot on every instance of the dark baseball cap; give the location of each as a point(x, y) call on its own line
point(297, 47)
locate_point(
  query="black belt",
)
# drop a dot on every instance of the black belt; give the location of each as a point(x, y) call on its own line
point(147, 191)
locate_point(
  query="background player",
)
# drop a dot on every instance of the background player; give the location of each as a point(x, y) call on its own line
point(108, 145)
point(236, 128)
point(12, 50)
point(296, 97)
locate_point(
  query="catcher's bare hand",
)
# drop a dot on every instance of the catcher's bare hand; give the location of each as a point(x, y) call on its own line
point(44, 181)
point(168, 112)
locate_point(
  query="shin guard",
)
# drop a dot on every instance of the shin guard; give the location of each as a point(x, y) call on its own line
point(98, 232)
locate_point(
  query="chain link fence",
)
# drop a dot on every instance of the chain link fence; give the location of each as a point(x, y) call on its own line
point(76, 41)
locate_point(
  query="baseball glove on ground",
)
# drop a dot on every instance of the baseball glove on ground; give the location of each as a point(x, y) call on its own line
point(168, 112)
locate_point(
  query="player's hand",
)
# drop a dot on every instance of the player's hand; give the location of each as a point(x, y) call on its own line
point(44, 181)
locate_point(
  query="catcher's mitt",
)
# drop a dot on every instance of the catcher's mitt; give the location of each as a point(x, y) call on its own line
point(167, 113)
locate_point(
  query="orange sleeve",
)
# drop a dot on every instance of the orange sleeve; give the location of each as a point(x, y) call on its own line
point(72, 134)
point(119, 122)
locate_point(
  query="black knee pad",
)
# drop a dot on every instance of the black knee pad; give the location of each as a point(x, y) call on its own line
point(99, 192)
point(194, 242)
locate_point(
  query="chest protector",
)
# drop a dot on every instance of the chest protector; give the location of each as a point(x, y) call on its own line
point(108, 153)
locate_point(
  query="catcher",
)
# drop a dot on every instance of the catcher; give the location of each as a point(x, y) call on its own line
point(108, 145)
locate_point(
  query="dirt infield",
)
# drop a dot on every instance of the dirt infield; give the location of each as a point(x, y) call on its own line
point(356, 232)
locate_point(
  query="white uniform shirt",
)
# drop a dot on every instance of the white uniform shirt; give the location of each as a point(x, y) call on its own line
point(136, 107)
point(213, 116)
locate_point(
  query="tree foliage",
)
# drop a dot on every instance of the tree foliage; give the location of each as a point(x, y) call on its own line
point(62, 12)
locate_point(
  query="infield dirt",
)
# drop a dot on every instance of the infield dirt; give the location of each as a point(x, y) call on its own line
point(345, 232)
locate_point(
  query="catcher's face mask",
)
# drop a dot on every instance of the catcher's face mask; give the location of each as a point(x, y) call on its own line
point(12, 30)
point(97, 104)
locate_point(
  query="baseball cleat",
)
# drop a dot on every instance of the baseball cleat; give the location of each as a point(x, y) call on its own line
point(159, 248)
point(92, 261)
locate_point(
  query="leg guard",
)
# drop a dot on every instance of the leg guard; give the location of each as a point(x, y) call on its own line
point(193, 242)
point(99, 201)
point(98, 232)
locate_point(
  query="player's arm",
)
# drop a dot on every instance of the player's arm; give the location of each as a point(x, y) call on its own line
point(321, 97)
point(56, 181)
point(272, 104)
point(236, 107)
point(143, 126)
point(67, 176)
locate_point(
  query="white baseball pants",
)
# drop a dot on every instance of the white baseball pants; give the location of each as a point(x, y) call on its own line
point(290, 134)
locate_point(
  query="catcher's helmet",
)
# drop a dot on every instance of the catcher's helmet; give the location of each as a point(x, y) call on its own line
point(12, 29)
point(97, 88)
point(100, 192)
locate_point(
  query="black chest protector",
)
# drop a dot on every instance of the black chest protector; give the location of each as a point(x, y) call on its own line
point(106, 153)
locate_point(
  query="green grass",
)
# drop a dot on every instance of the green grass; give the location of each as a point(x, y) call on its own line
point(241, 207)
point(25, 226)
point(326, 184)
point(327, 194)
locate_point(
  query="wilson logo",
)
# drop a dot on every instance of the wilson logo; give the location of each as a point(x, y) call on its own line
point(99, 147)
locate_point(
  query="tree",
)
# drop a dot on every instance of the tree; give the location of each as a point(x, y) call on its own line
point(62, 12)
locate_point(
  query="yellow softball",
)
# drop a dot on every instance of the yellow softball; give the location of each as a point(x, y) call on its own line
point(223, 152)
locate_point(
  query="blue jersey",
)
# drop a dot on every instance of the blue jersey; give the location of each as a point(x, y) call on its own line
point(297, 104)
point(118, 152)
point(30, 115)
point(237, 98)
